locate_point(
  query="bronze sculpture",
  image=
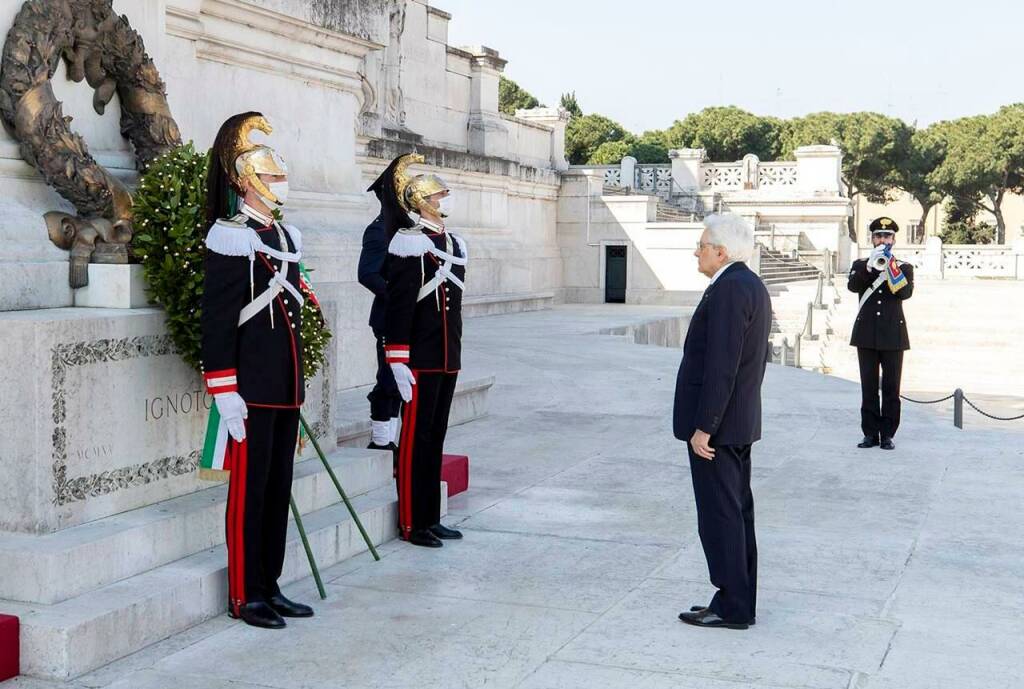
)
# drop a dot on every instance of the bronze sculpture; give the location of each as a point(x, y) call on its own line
point(103, 49)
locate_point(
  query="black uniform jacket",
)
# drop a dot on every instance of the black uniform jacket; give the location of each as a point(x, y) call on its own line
point(425, 334)
point(373, 270)
point(880, 323)
point(260, 360)
point(718, 388)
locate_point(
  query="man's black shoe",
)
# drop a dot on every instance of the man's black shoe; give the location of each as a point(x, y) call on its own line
point(287, 608)
point(706, 618)
point(868, 442)
point(425, 538)
point(259, 614)
point(698, 608)
point(888, 444)
point(444, 533)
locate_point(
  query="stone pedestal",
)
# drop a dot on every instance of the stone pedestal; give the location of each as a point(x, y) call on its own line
point(931, 264)
point(488, 135)
point(819, 169)
point(1018, 251)
point(557, 119)
point(686, 164)
point(100, 416)
point(113, 286)
point(627, 171)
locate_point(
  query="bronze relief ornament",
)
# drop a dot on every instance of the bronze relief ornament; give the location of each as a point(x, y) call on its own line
point(102, 48)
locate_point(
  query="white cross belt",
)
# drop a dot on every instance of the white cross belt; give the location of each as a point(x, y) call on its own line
point(443, 274)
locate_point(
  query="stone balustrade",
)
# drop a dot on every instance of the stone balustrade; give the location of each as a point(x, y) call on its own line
point(816, 170)
point(934, 259)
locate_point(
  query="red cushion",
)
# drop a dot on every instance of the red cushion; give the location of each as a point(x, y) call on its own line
point(455, 470)
point(9, 650)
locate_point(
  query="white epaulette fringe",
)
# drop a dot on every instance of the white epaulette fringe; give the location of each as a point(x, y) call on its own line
point(232, 239)
point(229, 238)
point(407, 243)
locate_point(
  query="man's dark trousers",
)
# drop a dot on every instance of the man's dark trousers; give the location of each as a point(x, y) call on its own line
point(881, 421)
point(385, 400)
point(725, 522)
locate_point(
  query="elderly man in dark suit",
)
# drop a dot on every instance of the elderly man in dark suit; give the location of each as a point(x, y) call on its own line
point(718, 413)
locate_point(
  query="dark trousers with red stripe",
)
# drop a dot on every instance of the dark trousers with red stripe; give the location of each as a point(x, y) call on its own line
point(424, 427)
point(258, 503)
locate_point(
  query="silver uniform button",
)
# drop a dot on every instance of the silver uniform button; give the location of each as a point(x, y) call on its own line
point(877, 313)
point(290, 313)
point(293, 326)
point(879, 301)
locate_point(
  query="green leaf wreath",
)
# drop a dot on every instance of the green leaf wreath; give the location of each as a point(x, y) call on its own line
point(169, 212)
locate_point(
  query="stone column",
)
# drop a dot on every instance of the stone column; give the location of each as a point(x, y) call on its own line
point(686, 164)
point(819, 168)
point(749, 169)
point(1018, 254)
point(932, 264)
point(627, 171)
point(557, 119)
point(488, 135)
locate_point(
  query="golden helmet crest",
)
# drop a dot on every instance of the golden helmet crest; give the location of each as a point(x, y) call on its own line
point(412, 191)
point(248, 160)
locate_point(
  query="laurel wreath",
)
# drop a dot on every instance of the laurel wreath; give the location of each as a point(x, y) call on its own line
point(169, 222)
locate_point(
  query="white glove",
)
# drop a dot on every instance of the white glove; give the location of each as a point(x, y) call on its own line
point(404, 379)
point(233, 410)
point(875, 254)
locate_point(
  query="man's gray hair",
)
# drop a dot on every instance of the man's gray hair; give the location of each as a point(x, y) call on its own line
point(732, 233)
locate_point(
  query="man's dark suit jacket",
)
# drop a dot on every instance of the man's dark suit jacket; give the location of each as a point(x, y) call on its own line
point(373, 270)
point(718, 389)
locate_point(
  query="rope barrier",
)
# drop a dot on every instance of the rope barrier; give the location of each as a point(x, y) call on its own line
point(959, 398)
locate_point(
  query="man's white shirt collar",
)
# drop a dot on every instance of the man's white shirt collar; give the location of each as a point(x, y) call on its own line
point(719, 272)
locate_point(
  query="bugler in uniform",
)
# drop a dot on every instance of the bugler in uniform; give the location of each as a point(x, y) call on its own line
point(251, 356)
point(423, 345)
point(880, 332)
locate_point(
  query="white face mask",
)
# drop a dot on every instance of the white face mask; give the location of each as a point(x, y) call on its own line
point(280, 190)
point(445, 206)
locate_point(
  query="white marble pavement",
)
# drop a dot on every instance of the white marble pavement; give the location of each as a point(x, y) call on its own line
point(891, 570)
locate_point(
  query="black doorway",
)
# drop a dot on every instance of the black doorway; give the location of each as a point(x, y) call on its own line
point(615, 275)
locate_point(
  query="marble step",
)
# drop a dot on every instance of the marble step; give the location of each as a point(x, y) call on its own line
point(352, 411)
point(497, 304)
point(78, 635)
point(124, 545)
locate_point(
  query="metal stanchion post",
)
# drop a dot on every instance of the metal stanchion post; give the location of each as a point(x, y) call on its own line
point(958, 408)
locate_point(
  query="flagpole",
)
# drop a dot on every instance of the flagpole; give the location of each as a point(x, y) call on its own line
point(341, 491)
point(309, 551)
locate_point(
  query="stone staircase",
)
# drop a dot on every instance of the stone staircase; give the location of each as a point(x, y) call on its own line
point(91, 594)
point(778, 268)
point(802, 328)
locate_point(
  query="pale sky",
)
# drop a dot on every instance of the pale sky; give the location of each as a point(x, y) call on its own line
point(646, 63)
